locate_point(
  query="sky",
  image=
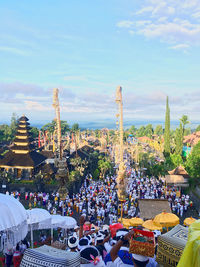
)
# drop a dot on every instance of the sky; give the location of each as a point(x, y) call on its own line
point(87, 48)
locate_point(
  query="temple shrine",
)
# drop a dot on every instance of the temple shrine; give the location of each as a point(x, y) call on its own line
point(22, 159)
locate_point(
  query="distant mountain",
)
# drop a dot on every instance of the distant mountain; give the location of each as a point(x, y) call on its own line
point(92, 125)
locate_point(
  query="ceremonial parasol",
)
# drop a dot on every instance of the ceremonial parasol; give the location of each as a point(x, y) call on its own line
point(12, 221)
point(136, 221)
point(125, 222)
point(38, 219)
point(151, 225)
point(166, 219)
point(189, 221)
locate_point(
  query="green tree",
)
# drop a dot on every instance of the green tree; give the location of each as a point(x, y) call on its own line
point(193, 162)
point(187, 131)
point(179, 140)
point(97, 133)
point(158, 130)
point(133, 130)
point(148, 131)
point(64, 127)
point(167, 130)
point(176, 160)
point(104, 165)
point(198, 128)
point(75, 127)
point(96, 174)
point(140, 132)
point(51, 127)
point(34, 132)
point(79, 165)
point(5, 133)
point(13, 124)
point(184, 120)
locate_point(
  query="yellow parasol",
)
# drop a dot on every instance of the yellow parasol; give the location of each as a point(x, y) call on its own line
point(135, 221)
point(166, 219)
point(151, 225)
point(125, 222)
point(189, 221)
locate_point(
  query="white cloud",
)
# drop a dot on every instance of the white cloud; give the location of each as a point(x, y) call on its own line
point(170, 21)
point(37, 103)
point(144, 10)
point(180, 47)
point(13, 50)
point(36, 106)
point(125, 24)
point(75, 78)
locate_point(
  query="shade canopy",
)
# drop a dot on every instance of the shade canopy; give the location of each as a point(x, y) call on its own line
point(151, 225)
point(166, 219)
point(12, 219)
point(38, 219)
point(189, 221)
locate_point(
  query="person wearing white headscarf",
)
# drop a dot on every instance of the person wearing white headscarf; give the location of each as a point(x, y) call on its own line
point(90, 257)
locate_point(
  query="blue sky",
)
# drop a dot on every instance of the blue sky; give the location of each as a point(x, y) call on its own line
point(87, 48)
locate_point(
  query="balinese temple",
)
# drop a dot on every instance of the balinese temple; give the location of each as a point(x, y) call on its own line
point(22, 159)
point(177, 177)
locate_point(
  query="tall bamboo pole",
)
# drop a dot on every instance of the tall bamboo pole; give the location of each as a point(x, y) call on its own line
point(121, 183)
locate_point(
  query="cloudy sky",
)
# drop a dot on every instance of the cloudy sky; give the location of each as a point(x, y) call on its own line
point(86, 48)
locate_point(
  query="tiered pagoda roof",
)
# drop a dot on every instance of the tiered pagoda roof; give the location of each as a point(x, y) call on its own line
point(22, 154)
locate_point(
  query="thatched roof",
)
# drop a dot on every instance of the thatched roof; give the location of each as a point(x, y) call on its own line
point(29, 160)
point(48, 154)
point(180, 170)
point(23, 118)
point(177, 180)
point(149, 208)
point(83, 152)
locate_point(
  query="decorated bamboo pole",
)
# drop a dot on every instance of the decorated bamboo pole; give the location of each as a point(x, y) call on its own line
point(121, 183)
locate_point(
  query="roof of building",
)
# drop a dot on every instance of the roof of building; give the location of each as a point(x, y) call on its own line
point(180, 170)
point(23, 128)
point(23, 123)
point(47, 153)
point(149, 208)
point(19, 147)
point(21, 134)
point(192, 139)
point(177, 180)
point(22, 140)
point(31, 159)
point(23, 118)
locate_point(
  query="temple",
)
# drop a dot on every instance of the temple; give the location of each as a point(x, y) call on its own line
point(22, 159)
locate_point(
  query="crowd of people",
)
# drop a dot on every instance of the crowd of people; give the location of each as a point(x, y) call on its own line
point(97, 200)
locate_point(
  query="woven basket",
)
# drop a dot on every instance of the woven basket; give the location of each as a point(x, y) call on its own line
point(143, 248)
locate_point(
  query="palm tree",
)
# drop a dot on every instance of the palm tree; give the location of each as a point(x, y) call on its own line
point(184, 120)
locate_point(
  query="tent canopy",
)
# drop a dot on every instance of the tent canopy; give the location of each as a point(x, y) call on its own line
point(38, 219)
point(12, 220)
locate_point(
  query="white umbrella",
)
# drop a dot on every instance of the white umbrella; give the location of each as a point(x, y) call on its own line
point(56, 221)
point(38, 219)
point(65, 222)
point(69, 222)
point(12, 219)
